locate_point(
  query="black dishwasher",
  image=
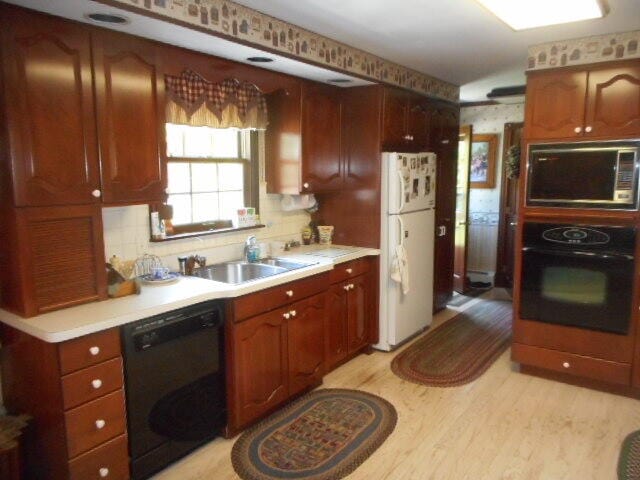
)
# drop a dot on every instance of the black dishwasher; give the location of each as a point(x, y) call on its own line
point(175, 384)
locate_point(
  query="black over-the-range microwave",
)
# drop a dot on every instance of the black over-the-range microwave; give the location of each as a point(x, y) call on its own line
point(601, 175)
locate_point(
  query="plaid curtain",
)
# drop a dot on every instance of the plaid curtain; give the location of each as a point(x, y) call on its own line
point(192, 100)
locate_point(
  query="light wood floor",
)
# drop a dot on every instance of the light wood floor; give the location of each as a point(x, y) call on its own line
point(505, 425)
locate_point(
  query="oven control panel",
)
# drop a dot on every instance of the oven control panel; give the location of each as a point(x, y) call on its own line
point(576, 236)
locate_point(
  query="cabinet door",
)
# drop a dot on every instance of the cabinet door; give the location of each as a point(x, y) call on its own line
point(555, 105)
point(336, 324)
point(613, 102)
point(418, 125)
point(50, 112)
point(321, 139)
point(63, 256)
point(394, 120)
point(305, 332)
point(359, 312)
point(130, 109)
point(260, 365)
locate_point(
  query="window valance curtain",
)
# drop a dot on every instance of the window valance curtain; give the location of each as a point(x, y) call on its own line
point(192, 100)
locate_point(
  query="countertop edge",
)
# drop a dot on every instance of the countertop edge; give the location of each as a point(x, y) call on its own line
point(209, 291)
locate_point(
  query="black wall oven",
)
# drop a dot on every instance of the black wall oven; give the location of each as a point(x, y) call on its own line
point(601, 175)
point(578, 275)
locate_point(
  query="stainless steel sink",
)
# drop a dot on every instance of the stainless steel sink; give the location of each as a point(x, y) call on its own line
point(240, 272)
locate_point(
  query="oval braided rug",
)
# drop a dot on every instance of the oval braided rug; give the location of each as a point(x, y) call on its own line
point(629, 461)
point(324, 435)
point(461, 349)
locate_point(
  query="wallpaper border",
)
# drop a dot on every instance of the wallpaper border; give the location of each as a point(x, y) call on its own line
point(582, 51)
point(232, 21)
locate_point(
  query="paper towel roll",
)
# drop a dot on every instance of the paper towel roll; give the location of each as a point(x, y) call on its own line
point(297, 202)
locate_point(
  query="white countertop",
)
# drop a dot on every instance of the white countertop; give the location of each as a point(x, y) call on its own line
point(93, 317)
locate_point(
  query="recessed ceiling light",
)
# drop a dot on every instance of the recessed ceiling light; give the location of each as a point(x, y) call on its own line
point(523, 14)
point(260, 59)
point(339, 80)
point(107, 18)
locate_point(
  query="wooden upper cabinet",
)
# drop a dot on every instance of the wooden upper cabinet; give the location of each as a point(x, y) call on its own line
point(49, 109)
point(613, 101)
point(555, 104)
point(130, 111)
point(394, 123)
point(418, 124)
point(321, 122)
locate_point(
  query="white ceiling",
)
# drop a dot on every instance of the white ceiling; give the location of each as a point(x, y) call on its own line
point(454, 40)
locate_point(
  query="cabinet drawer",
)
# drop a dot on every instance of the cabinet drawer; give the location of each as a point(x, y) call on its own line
point(110, 461)
point(89, 350)
point(266, 300)
point(344, 271)
point(572, 364)
point(94, 423)
point(90, 383)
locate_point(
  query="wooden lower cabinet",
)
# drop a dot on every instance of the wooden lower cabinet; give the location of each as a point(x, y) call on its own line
point(73, 392)
point(306, 354)
point(349, 317)
point(260, 366)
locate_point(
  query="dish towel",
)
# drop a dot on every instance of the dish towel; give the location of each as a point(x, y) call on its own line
point(400, 268)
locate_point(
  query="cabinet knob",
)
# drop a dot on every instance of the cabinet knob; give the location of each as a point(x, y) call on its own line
point(349, 270)
point(305, 185)
point(566, 364)
point(293, 313)
point(167, 190)
point(94, 350)
point(351, 286)
point(96, 384)
point(577, 129)
point(411, 137)
point(104, 472)
point(100, 424)
point(289, 293)
point(588, 129)
point(445, 142)
point(96, 193)
point(346, 287)
point(286, 315)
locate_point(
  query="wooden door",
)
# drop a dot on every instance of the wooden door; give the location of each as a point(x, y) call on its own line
point(62, 255)
point(505, 257)
point(336, 341)
point(260, 366)
point(305, 335)
point(418, 124)
point(461, 236)
point(49, 110)
point(444, 131)
point(130, 112)
point(555, 105)
point(359, 308)
point(613, 101)
point(394, 120)
point(321, 139)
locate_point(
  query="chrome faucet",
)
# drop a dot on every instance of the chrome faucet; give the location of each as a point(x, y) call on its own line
point(251, 249)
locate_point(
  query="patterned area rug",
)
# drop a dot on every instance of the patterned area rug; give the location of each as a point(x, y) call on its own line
point(461, 349)
point(629, 462)
point(324, 435)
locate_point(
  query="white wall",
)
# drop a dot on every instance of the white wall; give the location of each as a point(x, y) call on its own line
point(126, 231)
point(484, 203)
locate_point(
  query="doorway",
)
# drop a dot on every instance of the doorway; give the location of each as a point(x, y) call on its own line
point(460, 281)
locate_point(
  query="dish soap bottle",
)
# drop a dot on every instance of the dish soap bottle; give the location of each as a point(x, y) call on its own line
point(252, 249)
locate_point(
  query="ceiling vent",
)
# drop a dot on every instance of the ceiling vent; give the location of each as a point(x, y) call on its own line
point(507, 94)
point(107, 18)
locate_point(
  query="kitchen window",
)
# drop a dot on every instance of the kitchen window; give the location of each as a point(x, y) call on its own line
point(211, 173)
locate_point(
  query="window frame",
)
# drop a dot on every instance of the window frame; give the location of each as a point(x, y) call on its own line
point(251, 188)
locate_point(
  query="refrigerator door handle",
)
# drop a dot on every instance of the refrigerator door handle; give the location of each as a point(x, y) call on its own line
point(401, 230)
point(401, 178)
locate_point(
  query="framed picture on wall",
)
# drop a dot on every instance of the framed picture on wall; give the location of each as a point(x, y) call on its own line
point(482, 171)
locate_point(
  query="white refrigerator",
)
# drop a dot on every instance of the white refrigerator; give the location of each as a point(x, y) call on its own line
point(408, 216)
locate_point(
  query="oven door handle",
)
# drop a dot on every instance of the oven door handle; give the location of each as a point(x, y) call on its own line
point(579, 253)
